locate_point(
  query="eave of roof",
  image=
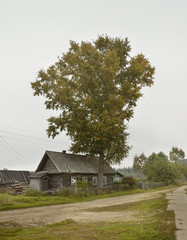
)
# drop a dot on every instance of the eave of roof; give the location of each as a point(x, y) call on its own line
point(118, 173)
point(39, 174)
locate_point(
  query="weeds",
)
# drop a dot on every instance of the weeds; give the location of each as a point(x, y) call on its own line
point(34, 199)
point(34, 193)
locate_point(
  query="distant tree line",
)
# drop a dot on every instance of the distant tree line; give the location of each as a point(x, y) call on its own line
point(129, 171)
point(158, 167)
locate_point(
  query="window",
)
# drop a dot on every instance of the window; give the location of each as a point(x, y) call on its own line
point(104, 180)
point(94, 181)
point(73, 180)
point(84, 178)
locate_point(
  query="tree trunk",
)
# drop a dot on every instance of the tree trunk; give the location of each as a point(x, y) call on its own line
point(101, 171)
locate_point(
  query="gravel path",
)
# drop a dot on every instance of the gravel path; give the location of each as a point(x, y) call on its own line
point(77, 211)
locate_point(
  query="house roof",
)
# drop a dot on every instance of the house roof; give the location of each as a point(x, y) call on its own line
point(39, 174)
point(71, 163)
point(118, 174)
point(13, 176)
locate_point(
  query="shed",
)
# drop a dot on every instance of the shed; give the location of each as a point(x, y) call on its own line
point(117, 177)
point(8, 177)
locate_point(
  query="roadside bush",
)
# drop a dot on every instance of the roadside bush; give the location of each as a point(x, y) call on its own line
point(80, 194)
point(108, 191)
point(129, 182)
point(84, 188)
point(64, 192)
point(84, 184)
point(34, 193)
point(126, 186)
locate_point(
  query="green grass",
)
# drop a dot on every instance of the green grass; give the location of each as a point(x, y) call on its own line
point(123, 207)
point(154, 222)
point(9, 202)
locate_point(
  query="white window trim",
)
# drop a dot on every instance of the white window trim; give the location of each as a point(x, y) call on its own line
point(73, 181)
point(84, 178)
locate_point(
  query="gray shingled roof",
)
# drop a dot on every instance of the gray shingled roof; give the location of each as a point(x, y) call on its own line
point(10, 176)
point(71, 163)
point(39, 174)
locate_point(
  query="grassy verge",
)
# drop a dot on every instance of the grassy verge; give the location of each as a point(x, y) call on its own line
point(153, 222)
point(9, 202)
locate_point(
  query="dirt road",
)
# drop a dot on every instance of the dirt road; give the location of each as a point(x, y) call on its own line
point(77, 211)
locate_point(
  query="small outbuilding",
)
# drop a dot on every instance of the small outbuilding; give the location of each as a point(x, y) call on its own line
point(62, 170)
point(8, 177)
point(117, 177)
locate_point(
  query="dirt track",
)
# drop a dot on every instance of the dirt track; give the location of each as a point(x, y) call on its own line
point(77, 211)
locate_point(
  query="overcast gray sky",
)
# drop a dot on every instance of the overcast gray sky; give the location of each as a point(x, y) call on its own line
point(33, 33)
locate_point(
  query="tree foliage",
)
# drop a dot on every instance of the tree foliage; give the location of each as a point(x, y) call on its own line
point(128, 171)
point(130, 181)
point(158, 168)
point(153, 156)
point(183, 170)
point(95, 86)
point(139, 162)
point(175, 154)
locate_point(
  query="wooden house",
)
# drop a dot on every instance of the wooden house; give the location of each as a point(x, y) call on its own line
point(62, 170)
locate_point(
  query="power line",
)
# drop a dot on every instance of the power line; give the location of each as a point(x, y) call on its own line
point(13, 151)
point(22, 130)
point(23, 140)
point(22, 135)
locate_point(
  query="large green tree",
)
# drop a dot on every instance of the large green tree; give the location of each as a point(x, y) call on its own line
point(95, 86)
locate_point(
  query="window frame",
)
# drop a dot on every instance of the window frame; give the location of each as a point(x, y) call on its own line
point(75, 181)
point(84, 178)
point(105, 180)
point(94, 180)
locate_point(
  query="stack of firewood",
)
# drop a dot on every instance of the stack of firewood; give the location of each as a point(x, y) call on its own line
point(18, 189)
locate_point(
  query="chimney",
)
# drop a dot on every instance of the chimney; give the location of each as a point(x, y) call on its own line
point(63, 151)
